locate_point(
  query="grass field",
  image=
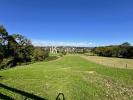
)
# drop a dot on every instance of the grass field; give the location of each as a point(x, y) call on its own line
point(111, 62)
point(75, 77)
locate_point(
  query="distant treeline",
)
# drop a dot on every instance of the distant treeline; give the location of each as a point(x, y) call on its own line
point(124, 50)
point(16, 49)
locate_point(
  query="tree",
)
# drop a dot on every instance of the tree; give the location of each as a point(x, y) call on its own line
point(130, 52)
point(24, 48)
point(1, 53)
point(126, 44)
point(3, 41)
point(107, 51)
point(3, 35)
point(21, 40)
point(14, 48)
point(124, 50)
point(11, 46)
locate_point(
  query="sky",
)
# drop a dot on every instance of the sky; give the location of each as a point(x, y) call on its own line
point(69, 22)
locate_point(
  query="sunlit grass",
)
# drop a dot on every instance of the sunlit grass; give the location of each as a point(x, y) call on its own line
point(77, 78)
point(112, 62)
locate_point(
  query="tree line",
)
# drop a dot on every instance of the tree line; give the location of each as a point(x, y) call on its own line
point(16, 49)
point(124, 50)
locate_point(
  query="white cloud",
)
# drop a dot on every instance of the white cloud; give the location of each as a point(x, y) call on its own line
point(61, 43)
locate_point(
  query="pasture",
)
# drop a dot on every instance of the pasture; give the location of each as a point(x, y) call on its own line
point(111, 62)
point(76, 77)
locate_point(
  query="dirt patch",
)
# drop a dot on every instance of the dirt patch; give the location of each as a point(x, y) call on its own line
point(66, 68)
point(90, 72)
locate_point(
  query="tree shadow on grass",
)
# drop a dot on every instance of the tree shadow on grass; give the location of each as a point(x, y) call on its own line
point(27, 95)
point(1, 77)
point(4, 97)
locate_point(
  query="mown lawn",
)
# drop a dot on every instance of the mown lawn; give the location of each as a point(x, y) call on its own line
point(75, 77)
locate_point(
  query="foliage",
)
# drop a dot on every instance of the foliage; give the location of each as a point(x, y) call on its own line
point(40, 54)
point(50, 58)
point(3, 42)
point(7, 62)
point(25, 49)
point(64, 52)
point(16, 49)
point(126, 44)
point(124, 50)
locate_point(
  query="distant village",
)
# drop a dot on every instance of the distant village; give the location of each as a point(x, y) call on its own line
point(67, 49)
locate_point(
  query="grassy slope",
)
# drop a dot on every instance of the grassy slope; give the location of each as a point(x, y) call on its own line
point(77, 78)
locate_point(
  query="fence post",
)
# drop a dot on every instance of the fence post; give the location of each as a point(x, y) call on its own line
point(126, 66)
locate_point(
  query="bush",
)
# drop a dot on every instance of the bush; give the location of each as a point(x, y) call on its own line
point(7, 63)
point(64, 52)
point(40, 54)
point(51, 58)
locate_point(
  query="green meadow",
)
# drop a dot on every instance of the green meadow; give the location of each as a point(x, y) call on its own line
point(77, 78)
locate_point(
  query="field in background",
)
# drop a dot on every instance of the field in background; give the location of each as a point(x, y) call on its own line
point(75, 77)
point(111, 62)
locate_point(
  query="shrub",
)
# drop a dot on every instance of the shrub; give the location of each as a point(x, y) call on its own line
point(40, 54)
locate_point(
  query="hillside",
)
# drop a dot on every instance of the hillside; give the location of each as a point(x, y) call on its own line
point(75, 77)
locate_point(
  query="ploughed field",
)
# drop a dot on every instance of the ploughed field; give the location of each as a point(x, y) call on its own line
point(76, 77)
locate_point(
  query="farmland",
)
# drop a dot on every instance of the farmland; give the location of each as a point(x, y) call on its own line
point(76, 77)
point(111, 62)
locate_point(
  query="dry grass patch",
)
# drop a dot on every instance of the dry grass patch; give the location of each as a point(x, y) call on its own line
point(113, 90)
point(112, 62)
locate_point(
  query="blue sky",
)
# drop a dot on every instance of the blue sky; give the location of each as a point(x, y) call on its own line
point(76, 22)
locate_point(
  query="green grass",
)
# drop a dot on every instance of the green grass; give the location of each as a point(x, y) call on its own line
point(77, 78)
